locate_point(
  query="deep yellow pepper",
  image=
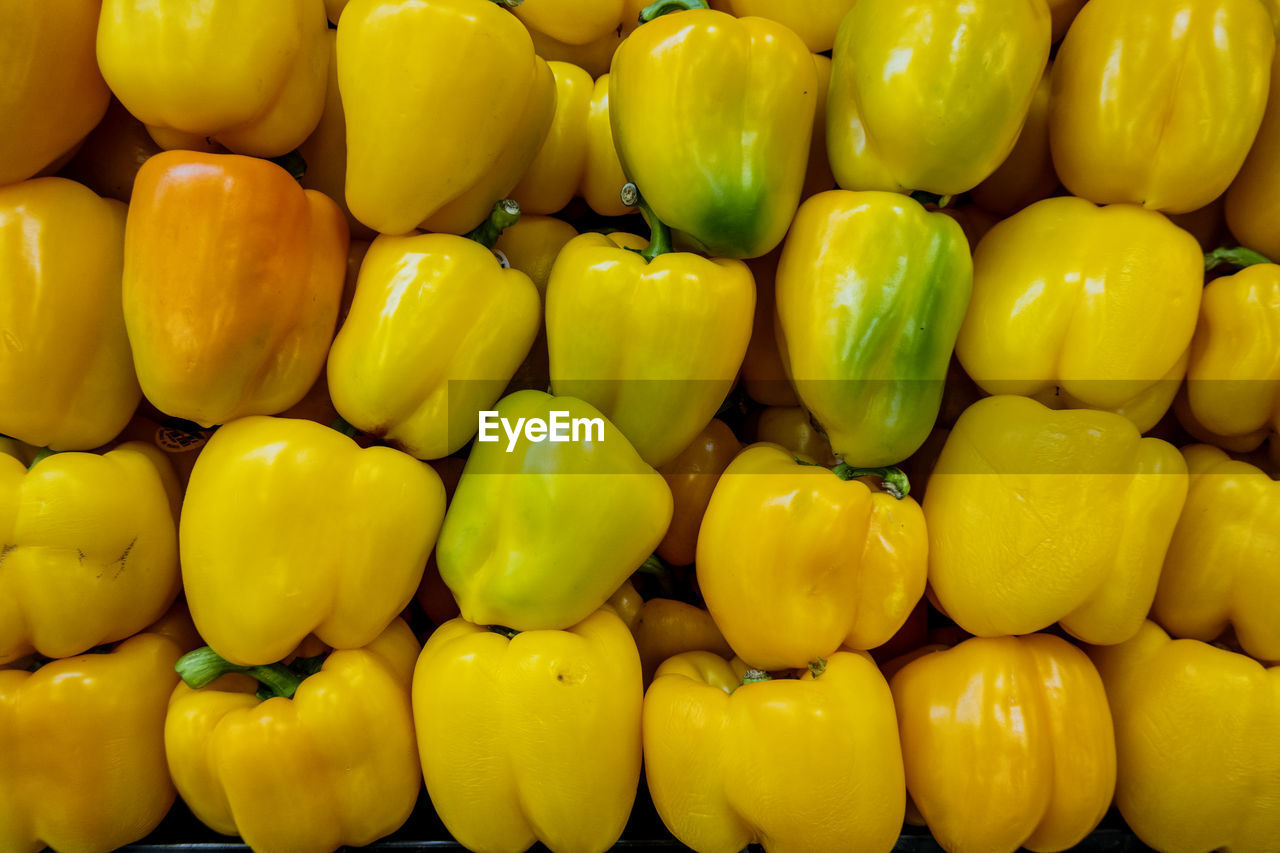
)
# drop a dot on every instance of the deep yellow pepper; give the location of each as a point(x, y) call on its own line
point(232, 278)
point(90, 548)
point(796, 561)
point(807, 764)
point(533, 736)
point(409, 70)
point(815, 21)
point(930, 94)
point(1027, 174)
point(1253, 199)
point(67, 378)
point(792, 428)
point(1233, 375)
point(1220, 570)
point(1065, 295)
point(436, 331)
point(603, 178)
point(712, 117)
point(309, 764)
point(541, 532)
point(51, 92)
point(249, 75)
point(574, 22)
point(289, 528)
point(665, 628)
point(1018, 722)
point(1197, 743)
point(692, 477)
point(660, 369)
point(871, 291)
point(82, 739)
point(1156, 102)
point(1036, 517)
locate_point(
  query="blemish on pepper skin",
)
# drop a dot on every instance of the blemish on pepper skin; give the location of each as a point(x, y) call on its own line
point(122, 560)
point(4, 553)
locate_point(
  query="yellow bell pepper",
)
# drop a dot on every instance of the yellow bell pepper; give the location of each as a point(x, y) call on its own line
point(815, 21)
point(533, 736)
point(1019, 723)
point(67, 377)
point(692, 477)
point(764, 377)
point(90, 549)
point(1065, 296)
point(712, 117)
point(542, 530)
point(1233, 375)
point(325, 151)
point(795, 560)
point(82, 740)
point(248, 75)
point(1036, 517)
point(626, 602)
point(602, 178)
point(436, 330)
point(665, 628)
point(554, 174)
point(1027, 174)
point(51, 92)
point(446, 107)
point(573, 22)
point(109, 160)
point(1156, 102)
point(1197, 743)
point(1253, 199)
point(871, 291)
point(930, 94)
point(792, 428)
point(660, 369)
point(594, 55)
point(289, 528)
point(232, 278)
point(333, 10)
point(808, 764)
point(818, 177)
point(1220, 570)
point(311, 762)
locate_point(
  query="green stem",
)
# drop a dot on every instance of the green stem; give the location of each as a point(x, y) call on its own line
point(1238, 256)
point(505, 213)
point(659, 233)
point(655, 565)
point(926, 197)
point(44, 454)
point(662, 7)
point(817, 667)
point(895, 482)
point(204, 666)
point(510, 4)
point(291, 163)
point(755, 675)
point(341, 425)
point(504, 631)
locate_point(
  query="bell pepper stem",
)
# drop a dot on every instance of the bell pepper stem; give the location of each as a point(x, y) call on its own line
point(203, 666)
point(817, 667)
point(659, 233)
point(293, 163)
point(510, 4)
point(504, 631)
point(340, 424)
point(662, 7)
point(505, 213)
point(926, 197)
point(44, 454)
point(895, 482)
point(1238, 256)
point(754, 675)
point(654, 565)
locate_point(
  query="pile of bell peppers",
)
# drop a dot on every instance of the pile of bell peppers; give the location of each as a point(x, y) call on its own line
point(825, 414)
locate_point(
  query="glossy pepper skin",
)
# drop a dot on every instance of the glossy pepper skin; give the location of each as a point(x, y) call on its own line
point(711, 118)
point(1156, 103)
point(1197, 743)
point(1065, 295)
point(90, 549)
point(406, 70)
point(815, 21)
point(82, 741)
point(1015, 505)
point(539, 537)
point(1019, 721)
point(661, 369)
point(1027, 174)
point(1221, 567)
point(334, 764)
point(664, 628)
point(1252, 199)
point(930, 94)
point(51, 92)
point(807, 764)
point(794, 561)
point(1233, 374)
point(67, 377)
point(436, 330)
point(533, 737)
point(289, 528)
point(249, 75)
point(553, 177)
point(692, 477)
point(792, 428)
point(602, 178)
point(871, 291)
point(575, 22)
point(232, 278)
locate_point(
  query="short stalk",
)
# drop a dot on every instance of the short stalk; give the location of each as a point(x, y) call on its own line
point(662, 7)
point(505, 213)
point(204, 666)
point(1238, 256)
point(755, 675)
point(894, 481)
point(659, 233)
point(44, 454)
